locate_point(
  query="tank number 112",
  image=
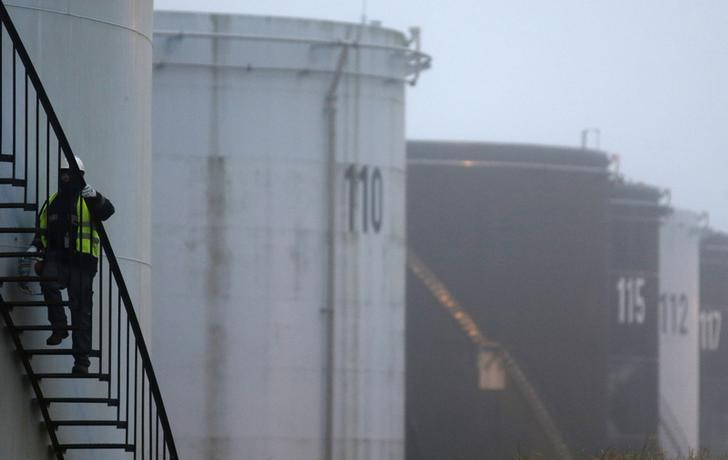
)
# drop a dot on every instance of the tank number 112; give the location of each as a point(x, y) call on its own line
point(365, 188)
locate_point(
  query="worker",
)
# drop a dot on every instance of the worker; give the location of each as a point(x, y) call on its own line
point(67, 246)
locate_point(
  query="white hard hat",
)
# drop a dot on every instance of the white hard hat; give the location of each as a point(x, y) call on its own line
point(64, 163)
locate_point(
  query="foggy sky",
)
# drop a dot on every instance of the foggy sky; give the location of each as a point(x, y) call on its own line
point(652, 75)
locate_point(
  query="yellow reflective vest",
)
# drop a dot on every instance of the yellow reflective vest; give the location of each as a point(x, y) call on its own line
point(87, 240)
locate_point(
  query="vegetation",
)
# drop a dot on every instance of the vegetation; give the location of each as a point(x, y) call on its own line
point(649, 454)
point(645, 454)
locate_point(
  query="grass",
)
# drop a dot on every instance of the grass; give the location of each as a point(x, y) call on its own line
point(645, 454)
point(657, 455)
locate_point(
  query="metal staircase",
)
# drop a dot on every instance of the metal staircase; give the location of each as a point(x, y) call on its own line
point(448, 301)
point(121, 384)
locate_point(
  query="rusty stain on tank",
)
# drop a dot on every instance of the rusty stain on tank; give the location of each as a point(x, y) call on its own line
point(217, 282)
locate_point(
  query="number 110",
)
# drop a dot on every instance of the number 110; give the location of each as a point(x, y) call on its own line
point(371, 197)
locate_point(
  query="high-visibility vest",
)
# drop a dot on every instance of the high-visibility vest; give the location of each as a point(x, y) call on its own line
point(87, 239)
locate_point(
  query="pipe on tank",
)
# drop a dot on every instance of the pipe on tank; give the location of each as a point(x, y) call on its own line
point(330, 108)
point(312, 41)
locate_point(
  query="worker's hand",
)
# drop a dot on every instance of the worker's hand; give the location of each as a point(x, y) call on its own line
point(88, 192)
point(33, 253)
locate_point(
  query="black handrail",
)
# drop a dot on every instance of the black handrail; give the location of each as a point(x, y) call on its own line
point(64, 146)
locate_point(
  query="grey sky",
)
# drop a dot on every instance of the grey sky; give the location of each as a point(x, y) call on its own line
point(651, 74)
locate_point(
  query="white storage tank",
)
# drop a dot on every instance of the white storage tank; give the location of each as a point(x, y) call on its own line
point(279, 273)
point(94, 60)
point(679, 352)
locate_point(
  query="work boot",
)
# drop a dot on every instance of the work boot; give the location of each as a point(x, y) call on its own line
point(56, 337)
point(78, 369)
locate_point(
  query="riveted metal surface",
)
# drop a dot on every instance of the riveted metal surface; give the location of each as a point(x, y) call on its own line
point(518, 234)
point(246, 116)
point(632, 308)
point(713, 346)
point(679, 351)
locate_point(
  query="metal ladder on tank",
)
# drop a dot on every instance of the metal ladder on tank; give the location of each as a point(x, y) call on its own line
point(446, 299)
point(121, 382)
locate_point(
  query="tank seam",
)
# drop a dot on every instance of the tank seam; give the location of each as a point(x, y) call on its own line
point(250, 68)
point(78, 16)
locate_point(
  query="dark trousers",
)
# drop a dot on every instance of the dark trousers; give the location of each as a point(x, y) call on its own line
point(79, 282)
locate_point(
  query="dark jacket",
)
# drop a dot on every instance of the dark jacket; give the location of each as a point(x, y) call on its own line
point(62, 227)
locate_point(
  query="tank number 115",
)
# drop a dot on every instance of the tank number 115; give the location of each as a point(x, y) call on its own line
point(632, 306)
point(364, 188)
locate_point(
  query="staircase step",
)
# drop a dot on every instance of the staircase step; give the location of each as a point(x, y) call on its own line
point(62, 375)
point(25, 206)
point(6, 158)
point(126, 447)
point(6, 255)
point(58, 352)
point(17, 229)
point(57, 423)
point(107, 401)
point(24, 279)
point(43, 328)
point(11, 181)
point(30, 303)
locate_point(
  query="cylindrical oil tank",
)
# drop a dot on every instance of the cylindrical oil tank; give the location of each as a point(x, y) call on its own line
point(94, 60)
point(713, 348)
point(517, 235)
point(632, 290)
point(679, 353)
point(279, 169)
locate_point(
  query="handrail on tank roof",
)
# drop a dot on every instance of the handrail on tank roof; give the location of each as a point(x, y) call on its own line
point(278, 38)
point(507, 164)
point(421, 60)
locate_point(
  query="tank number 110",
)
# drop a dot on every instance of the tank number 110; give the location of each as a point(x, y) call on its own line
point(367, 188)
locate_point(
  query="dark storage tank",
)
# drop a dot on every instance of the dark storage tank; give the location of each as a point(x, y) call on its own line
point(714, 349)
point(632, 293)
point(519, 236)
